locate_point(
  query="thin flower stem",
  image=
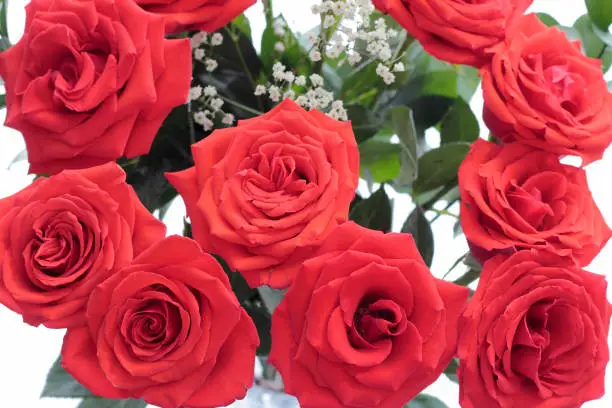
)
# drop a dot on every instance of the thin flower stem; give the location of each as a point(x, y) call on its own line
point(268, 12)
point(241, 106)
point(444, 212)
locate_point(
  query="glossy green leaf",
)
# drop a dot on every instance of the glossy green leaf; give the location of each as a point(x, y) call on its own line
point(426, 401)
point(451, 370)
point(547, 19)
point(459, 124)
point(242, 23)
point(373, 212)
point(60, 384)
point(403, 125)
point(600, 12)
point(365, 124)
point(95, 402)
point(381, 158)
point(439, 166)
point(417, 225)
point(592, 43)
point(468, 277)
point(3, 13)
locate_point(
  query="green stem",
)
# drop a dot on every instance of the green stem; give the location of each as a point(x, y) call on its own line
point(241, 106)
point(429, 204)
point(603, 50)
point(268, 12)
point(235, 38)
point(444, 212)
point(457, 262)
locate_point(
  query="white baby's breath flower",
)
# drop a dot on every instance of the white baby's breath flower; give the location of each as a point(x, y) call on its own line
point(388, 78)
point(338, 8)
point(217, 39)
point(210, 91)
point(197, 39)
point(329, 21)
point(198, 54)
point(279, 46)
point(399, 67)
point(289, 94)
point(211, 64)
point(302, 100)
point(300, 80)
point(208, 124)
point(315, 55)
point(312, 38)
point(260, 90)
point(216, 103)
point(274, 93)
point(385, 54)
point(199, 117)
point(228, 119)
point(289, 76)
point(354, 58)
point(316, 80)
point(195, 93)
point(381, 69)
point(278, 67)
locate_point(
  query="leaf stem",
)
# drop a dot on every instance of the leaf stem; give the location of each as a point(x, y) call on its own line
point(429, 204)
point(245, 67)
point(241, 106)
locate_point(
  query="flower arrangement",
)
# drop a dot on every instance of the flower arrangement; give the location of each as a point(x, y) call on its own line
point(127, 105)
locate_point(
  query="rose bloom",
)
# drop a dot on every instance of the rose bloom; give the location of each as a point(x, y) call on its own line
point(457, 31)
point(542, 91)
point(534, 335)
point(263, 194)
point(513, 197)
point(365, 324)
point(189, 15)
point(167, 329)
point(61, 236)
point(91, 81)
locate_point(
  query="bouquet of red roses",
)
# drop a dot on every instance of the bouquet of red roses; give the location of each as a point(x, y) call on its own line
point(285, 155)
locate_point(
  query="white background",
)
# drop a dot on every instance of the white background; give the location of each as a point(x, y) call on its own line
point(26, 352)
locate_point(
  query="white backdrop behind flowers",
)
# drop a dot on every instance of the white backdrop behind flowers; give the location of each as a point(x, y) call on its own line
point(26, 353)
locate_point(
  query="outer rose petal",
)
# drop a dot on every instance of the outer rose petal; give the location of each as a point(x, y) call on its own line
point(207, 354)
point(352, 264)
point(265, 237)
point(112, 109)
point(106, 222)
point(79, 359)
point(456, 31)
point(203, 15)
point(520, 106)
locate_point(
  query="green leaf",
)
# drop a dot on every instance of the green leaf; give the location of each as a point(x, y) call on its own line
point(547, 19)
point(457, 230)
point(293, 56)
point(592, 43)
point(374, 212)
point(451, 370)
point(471, 262)
point(3, 25)
point(470, 276)
point(417, 225)
point(459, 124)
point(60, 384)
point(403, 124)
point(95, 402)
point(426, 401)
point(600, 12)
point(439, 166)
point(2, 101)
point(381, 158)
point(365, 124)
point(271, 297)
point(242, 23)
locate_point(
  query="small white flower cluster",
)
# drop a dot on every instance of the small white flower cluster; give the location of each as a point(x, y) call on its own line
point(202, 40)
point(211, 106)
point(279, 29)
point(355, 36)
point(315, 97)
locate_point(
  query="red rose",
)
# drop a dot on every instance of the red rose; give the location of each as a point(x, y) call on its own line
point(534, 335)
point(61, 236)
point(263, 194)
point(542, 91)
point(91, 81)
point(205, 15)
point(457, 31)
point(515, 198)
point(167, 329)
point(365, 324)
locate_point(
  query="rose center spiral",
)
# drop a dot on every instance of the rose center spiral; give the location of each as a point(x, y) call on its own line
point(567, 87)
point(377, 320)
